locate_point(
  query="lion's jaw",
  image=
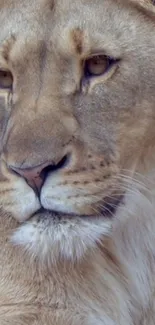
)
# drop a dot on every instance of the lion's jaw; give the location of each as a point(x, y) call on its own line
point(90, 134)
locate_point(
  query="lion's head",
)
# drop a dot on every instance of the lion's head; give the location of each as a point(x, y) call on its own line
point(77, 94)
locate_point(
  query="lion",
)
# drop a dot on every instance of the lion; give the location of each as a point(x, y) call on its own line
point(77, 162)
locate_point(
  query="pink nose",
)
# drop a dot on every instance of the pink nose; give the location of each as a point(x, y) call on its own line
point(36, 176)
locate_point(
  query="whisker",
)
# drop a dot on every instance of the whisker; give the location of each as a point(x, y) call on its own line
point(131, 181)
point(141, 176)
point(105, 208)
point(119, 188)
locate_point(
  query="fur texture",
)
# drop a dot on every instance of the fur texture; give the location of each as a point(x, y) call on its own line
point(82, 251)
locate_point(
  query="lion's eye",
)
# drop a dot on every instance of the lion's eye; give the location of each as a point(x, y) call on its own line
point(97, 65)
point(6, 79)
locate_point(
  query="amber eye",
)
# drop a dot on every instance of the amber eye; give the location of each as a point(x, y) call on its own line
point(6, 79)
point(97, 65)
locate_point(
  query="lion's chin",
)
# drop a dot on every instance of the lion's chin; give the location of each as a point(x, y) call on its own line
point(51, 236)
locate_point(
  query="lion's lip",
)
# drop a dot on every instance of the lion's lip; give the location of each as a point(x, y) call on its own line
point(108, 210)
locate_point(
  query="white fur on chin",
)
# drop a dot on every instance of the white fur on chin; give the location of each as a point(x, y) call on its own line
point(69, 239)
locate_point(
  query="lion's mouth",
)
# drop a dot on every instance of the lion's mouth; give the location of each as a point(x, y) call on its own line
point(107, 209)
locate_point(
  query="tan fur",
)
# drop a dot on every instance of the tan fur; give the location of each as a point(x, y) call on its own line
point(81, 268)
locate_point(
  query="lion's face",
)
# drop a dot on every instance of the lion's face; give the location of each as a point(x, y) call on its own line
point(76, 114)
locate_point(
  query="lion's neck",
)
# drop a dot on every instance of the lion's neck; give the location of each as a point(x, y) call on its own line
point(134, 238)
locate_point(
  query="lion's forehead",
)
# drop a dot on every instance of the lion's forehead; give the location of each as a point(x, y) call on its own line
point(47, 23)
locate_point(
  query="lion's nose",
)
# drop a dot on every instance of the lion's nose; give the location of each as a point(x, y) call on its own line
point(36, 176)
